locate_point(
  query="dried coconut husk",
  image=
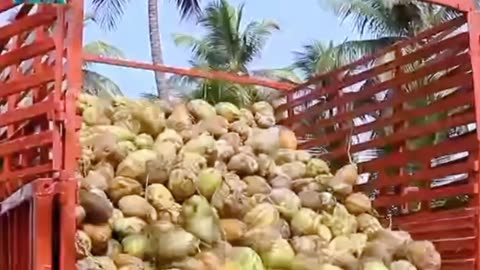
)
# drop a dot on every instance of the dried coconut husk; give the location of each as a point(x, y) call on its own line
point(189, 263)
point(95, 116)
point(137, 245)
point(96, 263)
point(123, 117)
point(347, 174)
point(262, 107)
point(171, 136)
point(266, 165)
point(287, 139)
point(262, 215)
point(358, 203)
point(123, 259)
point(191, 162)
point(233, 229)
point(224, 150)
point(316, 166)
point(83, 244)
point(97, 209)
point(319, 201)
point(264, 140)
point(158, 171)
point(202, 145)
point(294, 170)
point(210, 260)
point(243, 164)
point(113, 249)
point(236, 205)
point(423, 255)
point(143, 141)
point(346, 261)
point(103, 145)
point(306, 222)
point(308, 244)
point(358, 243)
point(123, 149)
point(305, 184)
point(122, 186)
point(128, 225)
point(340, 221)
point(261, 238)
point(241, 128)
point(137, 206)
point(377, 250)
point(209, 180)
point(286, 201)
point(280, 181)
point(394, 239)
point(134, 165)
point(285, 156)
point(284, 228)
point(200, 219)
point(402, 265)
point(182, 184)
point(151, 118)
point(80, 214)
point(180, 244)
point(256, 185)
point(265, 120)
point(279, 256)
point(201, 109)
point(166, 151)
point(99, 235)
point(179, 119)
point(233, 139)
point(228, 111)
point(368, 224)
point(116, 214)
point(247, 117)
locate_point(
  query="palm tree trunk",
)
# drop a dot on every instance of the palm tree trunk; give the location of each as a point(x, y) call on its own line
point(156, 47)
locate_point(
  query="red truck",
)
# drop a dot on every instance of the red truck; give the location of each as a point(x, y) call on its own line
point(41, 76)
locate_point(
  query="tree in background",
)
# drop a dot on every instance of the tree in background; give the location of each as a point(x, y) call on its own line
point(384, 22)
point(229, 45)
point(96, 83)
point(93, 82)
point(109, 12)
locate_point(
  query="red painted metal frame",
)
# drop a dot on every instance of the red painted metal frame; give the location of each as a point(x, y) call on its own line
point(217, 75)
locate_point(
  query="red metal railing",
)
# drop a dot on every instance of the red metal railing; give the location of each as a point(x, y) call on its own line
point(36, 122)
point(395, 112)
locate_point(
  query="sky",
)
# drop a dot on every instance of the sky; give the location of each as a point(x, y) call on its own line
point(300, 22)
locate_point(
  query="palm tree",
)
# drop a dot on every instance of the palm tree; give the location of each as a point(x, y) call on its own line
point(109, 13)
point(385, 22)
point(95, 83)
point(229, 45)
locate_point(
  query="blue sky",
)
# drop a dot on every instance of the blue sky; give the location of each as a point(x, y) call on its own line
point(300, 22)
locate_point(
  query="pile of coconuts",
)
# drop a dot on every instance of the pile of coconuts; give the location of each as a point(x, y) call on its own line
point(192, 186)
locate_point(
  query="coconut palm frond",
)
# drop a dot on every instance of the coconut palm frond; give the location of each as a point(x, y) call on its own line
point(97, 84)
point(102, 48)
point(228, 45)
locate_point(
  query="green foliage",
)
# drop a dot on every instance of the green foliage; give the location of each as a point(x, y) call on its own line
point(109, 12)
point(93, 82)
point(229, 45)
